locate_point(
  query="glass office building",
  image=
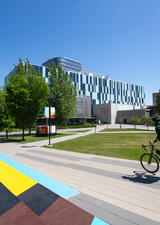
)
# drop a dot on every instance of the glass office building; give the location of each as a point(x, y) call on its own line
point(101, 89)
point(66, 64)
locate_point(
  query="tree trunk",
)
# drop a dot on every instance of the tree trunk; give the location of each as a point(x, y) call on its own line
point(30, 130)
point(23, 134)
point(6, 135)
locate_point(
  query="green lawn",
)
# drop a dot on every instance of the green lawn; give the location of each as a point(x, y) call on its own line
point(32, 138)
point(123, 129)
point(126, 146)
point(80, 131)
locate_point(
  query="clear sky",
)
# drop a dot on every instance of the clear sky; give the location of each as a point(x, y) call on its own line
point(120, 38)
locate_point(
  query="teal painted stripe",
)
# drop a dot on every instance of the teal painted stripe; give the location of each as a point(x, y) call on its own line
point(97, 221)
point(59, 188)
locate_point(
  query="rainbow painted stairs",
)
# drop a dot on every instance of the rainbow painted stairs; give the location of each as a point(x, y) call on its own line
point(28, 197)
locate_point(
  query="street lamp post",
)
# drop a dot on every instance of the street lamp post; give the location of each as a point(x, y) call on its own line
point(49, 101)
point(49, 122)
point(95, 124)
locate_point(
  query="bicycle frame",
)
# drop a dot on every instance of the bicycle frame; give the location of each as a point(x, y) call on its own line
point(152, 151)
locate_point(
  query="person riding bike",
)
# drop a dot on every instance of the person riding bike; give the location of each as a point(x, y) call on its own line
point(150, 160)
point(156, 122)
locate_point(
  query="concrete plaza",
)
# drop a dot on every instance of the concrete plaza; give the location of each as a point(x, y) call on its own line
point(117, 191)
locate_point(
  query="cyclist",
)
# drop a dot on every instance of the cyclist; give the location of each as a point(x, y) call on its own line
point(156, 122)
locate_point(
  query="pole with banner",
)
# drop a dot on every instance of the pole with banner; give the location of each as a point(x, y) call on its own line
point(49, 124)
point(51, 116)
point(49, 112)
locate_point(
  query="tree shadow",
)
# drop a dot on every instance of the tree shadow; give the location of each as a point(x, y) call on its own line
point(142, 177)
point(31, 146)
point(10, 140)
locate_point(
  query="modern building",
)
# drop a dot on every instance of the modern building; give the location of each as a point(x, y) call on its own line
point(101, 89)
point(66, 64)
point(155, 98)
point(117, 113)
point(154, 109)
point(83, 111)
point(124, 116)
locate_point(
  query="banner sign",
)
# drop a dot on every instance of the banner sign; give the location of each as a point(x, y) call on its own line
point(46, 112)
point(52, 112)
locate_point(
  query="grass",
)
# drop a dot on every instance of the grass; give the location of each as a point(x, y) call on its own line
point(80, 131)
point(31, 138)
point(126, 146)
point(123, 129)
point(87, 125)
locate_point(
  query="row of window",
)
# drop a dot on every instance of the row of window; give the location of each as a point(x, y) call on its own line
point(102, 90)
point(67, 67)
point(74, 65)
point(69, 61)
point(122, 93)
point(104, 82)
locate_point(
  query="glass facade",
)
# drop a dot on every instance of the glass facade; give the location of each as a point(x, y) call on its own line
point(104, 90)
point(101, 89)
point(66, 64)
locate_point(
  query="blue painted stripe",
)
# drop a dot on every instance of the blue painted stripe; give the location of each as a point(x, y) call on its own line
point(59, 188)
point(97, 221)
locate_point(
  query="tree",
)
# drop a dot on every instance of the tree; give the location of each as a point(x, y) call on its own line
point(64, 94)
point(135, 121)
point(26, 93)
point(6, 121)
point(147, 120)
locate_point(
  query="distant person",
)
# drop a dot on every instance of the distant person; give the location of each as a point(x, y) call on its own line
point(156, 123)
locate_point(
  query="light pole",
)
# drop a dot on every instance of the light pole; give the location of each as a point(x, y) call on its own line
point(49, 101)
point(95, 124)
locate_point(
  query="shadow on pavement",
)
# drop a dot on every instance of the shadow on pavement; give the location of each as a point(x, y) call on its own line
point(142, 177)
point(31, 146)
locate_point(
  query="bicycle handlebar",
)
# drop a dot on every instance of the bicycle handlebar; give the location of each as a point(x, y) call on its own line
point(145, 146)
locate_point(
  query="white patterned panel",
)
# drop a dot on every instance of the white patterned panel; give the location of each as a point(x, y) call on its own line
point(43, 71)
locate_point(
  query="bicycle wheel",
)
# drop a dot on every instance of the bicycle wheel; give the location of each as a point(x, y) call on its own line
point(149, 163)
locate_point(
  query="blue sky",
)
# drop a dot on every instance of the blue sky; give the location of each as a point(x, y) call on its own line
point(120, 38)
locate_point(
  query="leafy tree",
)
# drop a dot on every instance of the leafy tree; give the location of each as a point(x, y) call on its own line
point(64, 94)
point(147, 120)
point(26, 93)
point(6, 121)
point(135, 121)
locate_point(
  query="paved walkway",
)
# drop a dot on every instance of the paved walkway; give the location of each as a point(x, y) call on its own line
point(29, 197)
point(115, 190)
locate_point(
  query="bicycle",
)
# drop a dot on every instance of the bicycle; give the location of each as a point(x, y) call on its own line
point(150, 161)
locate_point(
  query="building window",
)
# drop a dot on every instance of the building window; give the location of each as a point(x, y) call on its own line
point(87, 79)
point(90, 80)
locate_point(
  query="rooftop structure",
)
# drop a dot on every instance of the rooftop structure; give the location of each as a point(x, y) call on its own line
point(66, 64)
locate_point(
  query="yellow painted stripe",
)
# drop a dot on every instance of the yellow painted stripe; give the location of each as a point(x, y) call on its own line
point(14, 180)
